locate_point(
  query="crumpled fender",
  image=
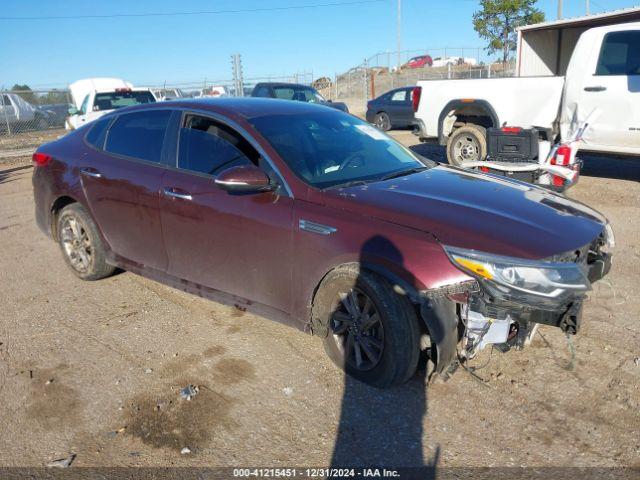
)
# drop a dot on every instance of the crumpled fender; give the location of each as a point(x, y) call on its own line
point(440, 315)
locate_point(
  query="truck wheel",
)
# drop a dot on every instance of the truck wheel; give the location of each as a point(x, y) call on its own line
point(382, 121)
point(41, 123)
point(467, 144)
point(373, 332)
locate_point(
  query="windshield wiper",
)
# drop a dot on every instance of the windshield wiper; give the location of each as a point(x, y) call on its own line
point(402, 173)
point(351, 183)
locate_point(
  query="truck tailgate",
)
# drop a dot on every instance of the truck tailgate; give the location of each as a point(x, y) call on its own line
point(521, 101)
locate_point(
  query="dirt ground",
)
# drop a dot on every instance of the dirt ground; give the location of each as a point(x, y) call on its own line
point(95, 369)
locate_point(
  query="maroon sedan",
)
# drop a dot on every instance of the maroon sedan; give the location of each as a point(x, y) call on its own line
point(311, 216)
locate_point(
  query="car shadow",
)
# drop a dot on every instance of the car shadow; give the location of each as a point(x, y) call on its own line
point(10, 174)
point(432, 151)
point(610, 166)
point(383, 428)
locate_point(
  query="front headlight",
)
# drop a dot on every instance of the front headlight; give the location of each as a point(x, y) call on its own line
point(549, 280)
point(609, 238)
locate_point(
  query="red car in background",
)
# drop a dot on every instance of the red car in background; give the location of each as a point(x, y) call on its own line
point(420, 61)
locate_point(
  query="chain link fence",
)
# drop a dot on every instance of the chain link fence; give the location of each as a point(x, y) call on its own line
point(31, 117)
point(32, 110)
point(385, 71)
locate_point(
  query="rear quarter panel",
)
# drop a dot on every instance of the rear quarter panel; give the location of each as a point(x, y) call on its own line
point(60, 178)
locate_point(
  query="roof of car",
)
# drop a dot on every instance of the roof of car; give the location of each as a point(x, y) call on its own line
point(281, 84)
point(247, 107)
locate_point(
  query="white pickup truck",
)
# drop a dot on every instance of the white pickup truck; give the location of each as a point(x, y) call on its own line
point(603, 73)
point(94, 97)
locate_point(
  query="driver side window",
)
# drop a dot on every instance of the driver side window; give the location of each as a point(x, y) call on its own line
point(208, 147)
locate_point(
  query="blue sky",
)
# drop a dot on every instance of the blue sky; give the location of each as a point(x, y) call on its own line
point(151, 50)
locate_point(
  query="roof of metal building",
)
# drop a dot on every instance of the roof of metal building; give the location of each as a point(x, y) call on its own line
point(605, 18)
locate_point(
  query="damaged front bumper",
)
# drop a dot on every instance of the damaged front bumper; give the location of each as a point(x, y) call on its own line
point(463, 319)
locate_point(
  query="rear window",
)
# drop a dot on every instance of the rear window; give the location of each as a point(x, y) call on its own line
point(139, 135)
point(98, 132)
point(620, 54)
point(115, 100)
point(300, 94)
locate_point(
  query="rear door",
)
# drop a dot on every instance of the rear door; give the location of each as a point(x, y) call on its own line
point(121, 178)
point(235, 243)
point(614, 88)
point(400, 109)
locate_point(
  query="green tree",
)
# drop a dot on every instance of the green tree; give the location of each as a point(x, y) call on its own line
point(25, 92)
point(498, 20)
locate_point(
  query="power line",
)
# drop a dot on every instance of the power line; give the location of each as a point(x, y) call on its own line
point(201, 12)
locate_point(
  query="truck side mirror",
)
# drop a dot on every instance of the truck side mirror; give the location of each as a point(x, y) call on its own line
point(72, 111)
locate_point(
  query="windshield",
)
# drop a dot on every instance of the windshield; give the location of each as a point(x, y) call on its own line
point(331, 148)
point(301, 94)
point(115, 100)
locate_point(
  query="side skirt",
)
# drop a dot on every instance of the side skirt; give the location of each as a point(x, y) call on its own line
point(212, 294)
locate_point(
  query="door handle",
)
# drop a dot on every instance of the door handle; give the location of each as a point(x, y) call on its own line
point(91, 172)
point(595, 89)
point(172, 192)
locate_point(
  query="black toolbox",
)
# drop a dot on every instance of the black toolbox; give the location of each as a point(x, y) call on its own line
point(512, 145)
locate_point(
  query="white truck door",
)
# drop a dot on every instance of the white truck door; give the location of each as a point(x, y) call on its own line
point(613, 86)
point(7, 110)
point(80, 118)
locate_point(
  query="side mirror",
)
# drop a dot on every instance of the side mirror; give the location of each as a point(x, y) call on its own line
point(72, 111)
point(244, 179)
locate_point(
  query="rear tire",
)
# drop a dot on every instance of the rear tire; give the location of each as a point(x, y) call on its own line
point(382, 121)
point(81, 244)
point(467, 144)
point(383, 326)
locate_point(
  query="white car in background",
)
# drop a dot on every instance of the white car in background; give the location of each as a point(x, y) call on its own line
point(213, 92)
point(164, 94)
point(94, 97)
point(446, 61)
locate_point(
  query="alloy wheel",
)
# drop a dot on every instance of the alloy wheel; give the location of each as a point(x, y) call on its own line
point(76, 244)
point(381, 122)
point(357, 329)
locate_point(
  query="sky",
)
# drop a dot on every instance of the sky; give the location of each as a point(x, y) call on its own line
point(151, 50)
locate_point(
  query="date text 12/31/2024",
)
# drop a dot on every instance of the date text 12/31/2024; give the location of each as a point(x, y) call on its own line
point(315, 473)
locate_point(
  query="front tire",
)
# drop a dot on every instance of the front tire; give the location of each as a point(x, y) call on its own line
point(382, 121)
point(467, 144)
point(373, 332)
point(81, 245)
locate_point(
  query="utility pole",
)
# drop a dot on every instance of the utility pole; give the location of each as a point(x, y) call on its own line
point(398, 32)
point(587, 7)
point(559, 9)
point(236, 68)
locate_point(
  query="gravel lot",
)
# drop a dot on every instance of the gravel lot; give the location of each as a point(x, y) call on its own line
point(95, 369)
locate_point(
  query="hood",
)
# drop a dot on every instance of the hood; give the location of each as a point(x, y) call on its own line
point(482, 212)
point(82, 88)
point(337, 105)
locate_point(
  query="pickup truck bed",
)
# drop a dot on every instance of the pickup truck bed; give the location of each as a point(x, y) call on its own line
point(526, 102)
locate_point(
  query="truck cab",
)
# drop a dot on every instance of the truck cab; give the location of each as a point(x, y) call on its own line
point(604, 74)
point(94, 97)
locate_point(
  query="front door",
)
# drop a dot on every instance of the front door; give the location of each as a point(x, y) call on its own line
point(614, 89)
point(7, 111)
point(122, 183)
point(238, 244)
